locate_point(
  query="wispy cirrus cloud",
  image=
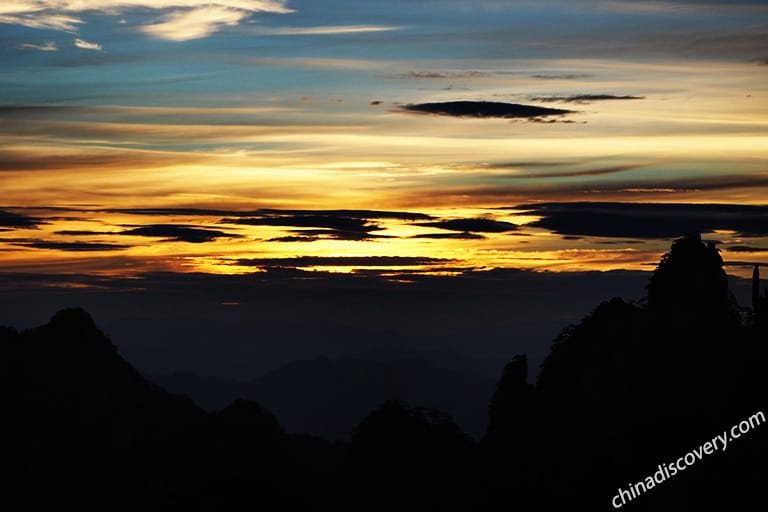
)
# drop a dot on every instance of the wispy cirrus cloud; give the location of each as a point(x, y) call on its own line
point(41, 15)
point(59, 158)
point(328, 30)
point(195, 23)
point(590, 171)
point(48, 46)
point(561, 76)
point(446, 74)
point(709, 188)
point(181, 20)
point(679, 5)
point(85, 45)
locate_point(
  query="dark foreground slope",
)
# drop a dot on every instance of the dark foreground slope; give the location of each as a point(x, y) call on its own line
point(630, 387)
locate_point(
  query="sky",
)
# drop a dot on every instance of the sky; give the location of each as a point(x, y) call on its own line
point(228, 186)
point(235, 136)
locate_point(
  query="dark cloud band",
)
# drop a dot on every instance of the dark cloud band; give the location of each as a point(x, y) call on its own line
point(177, 233)
point(13, 220)
point(472, 225)
point(343, 261)
point(484, 109)
point(72, 246)
point(647, 220)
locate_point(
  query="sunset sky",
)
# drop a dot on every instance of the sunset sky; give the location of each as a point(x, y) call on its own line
point(234, 136)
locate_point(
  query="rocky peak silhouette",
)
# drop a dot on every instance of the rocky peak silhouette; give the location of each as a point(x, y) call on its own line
point(75, 319)
point(73, 342)
point(690, 283)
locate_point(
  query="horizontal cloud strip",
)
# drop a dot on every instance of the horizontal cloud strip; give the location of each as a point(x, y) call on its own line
point(309, 221)
point(594, 171)
point(561, 76)
point(86, 45)
point(746, 248)
point(472, 225)
point(327, 30)
point(269, 213)
point(450, 236)
point(72, 246)
point(13, 220)
point(585, 98)
point(484, 109)
point(343, 261)
point(311, 235)
point(178, 233)
point(647, 220)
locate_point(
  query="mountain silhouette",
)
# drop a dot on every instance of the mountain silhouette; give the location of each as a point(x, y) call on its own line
point(636, 385)
point(629, 388)
point(327, 397)
point(79, 416)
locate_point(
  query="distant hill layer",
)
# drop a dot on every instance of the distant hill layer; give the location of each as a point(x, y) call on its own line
point(328, 397)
